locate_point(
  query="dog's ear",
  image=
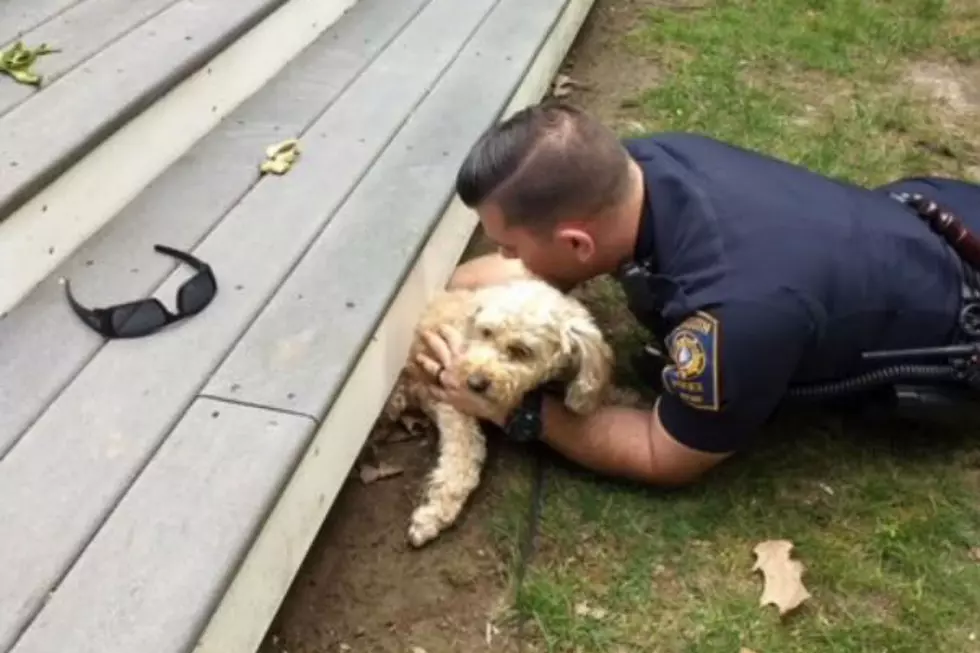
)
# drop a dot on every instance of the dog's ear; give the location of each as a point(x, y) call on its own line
point(593, 357)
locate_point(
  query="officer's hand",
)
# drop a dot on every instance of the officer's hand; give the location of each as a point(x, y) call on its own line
point(445, 351)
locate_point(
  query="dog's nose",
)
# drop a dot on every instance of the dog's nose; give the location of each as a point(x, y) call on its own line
point(478, 383)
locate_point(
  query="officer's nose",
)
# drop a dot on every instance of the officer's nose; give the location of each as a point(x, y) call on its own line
point(478, 383)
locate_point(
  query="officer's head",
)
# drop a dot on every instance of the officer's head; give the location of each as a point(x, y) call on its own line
point(551, 185)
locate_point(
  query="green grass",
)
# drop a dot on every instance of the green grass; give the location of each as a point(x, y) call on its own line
point(818, 82)
point(883, 514)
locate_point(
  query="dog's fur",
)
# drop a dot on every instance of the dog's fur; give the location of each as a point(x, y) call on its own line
point(517, 336)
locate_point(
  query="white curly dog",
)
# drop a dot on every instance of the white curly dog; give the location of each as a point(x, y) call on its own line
point(517, 335)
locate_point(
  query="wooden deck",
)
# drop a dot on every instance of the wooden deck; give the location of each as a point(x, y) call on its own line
point(159, 494)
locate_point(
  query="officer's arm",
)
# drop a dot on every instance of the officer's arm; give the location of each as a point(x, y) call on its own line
point(626, 443)
point(736, 378)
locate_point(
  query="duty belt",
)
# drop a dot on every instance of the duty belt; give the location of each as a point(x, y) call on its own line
point(967, 248)
point(909, 371)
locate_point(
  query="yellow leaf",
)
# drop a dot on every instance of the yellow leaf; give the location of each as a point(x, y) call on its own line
point(18, 59)
point(280, 157)
point(783, 584)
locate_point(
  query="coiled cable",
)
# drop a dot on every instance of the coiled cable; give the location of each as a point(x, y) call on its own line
point(904, 373)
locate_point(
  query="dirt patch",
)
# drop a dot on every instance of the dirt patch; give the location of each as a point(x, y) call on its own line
point(613, 75)
point(954, 91)
point(362, 588)
point(956, 87)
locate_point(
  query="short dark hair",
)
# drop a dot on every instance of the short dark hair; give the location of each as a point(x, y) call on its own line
point(547, 162)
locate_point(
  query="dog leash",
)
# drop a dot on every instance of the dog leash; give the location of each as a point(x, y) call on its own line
point(529, 539)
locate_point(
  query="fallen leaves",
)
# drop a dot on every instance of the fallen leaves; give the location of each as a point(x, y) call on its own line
point(783, 584)
point(412, 428)
point(17, 61)
point(826, 488)
point(369, 473)
point(489, 631)
point(280, 157)
point(583, 609)
point(975, 554)
point(564, 85)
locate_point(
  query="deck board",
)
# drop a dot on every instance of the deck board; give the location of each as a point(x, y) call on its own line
point(78, 33)
point(20, 16)
point(41, 345)
point(75, 462)
point(40, 137)
point(356, 266)
point(149, 579)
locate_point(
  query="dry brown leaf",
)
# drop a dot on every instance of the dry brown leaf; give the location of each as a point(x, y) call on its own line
point(370, 473)
point(975, 553)
point(489, 631)
point(783, 584)
point(826, 488)
point(564, 85)
point(583, 609)
point(401, 435)
point(412, 428)
point(414, 425)
point(745, 650)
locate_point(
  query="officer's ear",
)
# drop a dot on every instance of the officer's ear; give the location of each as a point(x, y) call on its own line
point(579, 241)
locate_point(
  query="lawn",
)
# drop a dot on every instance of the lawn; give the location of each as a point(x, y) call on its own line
point(884, 514)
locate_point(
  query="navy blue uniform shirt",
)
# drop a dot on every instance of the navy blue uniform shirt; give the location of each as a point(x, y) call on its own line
point(768, 275)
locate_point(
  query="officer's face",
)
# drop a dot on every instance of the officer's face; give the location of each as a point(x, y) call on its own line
point(563, 258)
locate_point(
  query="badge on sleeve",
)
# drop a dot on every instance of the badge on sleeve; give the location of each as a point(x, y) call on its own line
point(694, 375)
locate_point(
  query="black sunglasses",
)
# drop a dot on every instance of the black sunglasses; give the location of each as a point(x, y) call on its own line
point(143, 317)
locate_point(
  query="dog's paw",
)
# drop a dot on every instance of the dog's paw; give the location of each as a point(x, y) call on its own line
point(425, 526)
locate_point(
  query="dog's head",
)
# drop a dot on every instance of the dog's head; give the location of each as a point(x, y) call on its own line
point(525, 333)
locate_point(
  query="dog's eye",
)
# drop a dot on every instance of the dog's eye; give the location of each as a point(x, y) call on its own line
point(518, 351)
point(486, 333)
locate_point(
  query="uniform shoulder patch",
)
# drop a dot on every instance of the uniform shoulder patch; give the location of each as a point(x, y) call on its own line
point(693, 375)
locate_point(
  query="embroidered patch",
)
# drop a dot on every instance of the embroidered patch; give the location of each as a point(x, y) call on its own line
point(693, 348)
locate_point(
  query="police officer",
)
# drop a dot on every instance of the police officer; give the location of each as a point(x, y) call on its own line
point(756, 276)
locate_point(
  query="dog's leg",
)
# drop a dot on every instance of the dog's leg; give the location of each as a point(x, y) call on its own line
point(462, 451)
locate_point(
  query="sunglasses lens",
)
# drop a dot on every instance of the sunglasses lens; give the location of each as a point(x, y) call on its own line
point(196, 294)
point(138, 318)
point(89, 317)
